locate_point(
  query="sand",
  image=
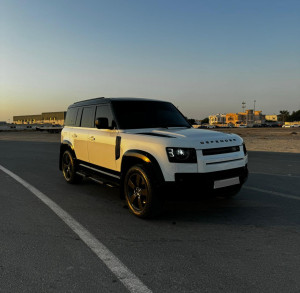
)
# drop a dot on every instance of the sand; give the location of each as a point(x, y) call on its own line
point(269, 139)
point(256, 139)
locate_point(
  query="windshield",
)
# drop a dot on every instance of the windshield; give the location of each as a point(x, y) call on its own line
point(147, 114)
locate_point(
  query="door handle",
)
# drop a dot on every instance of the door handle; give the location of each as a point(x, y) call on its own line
point(74, 135)
point(91, 138)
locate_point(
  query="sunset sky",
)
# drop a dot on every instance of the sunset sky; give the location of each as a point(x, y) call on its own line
point(206, 57)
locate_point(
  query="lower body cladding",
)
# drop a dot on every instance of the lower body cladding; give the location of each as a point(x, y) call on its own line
point(226, 182)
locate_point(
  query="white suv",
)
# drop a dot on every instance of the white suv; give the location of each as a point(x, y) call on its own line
point(147, 147)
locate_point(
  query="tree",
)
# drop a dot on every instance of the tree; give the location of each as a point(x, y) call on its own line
point(192, 121)
point(205, 120)
point(284, 115)
point(295, 116)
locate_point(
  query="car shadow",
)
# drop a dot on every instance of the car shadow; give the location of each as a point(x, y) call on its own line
point(240, 210)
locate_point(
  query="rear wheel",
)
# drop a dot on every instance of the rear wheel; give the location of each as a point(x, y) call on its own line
point(141, 192)
point(69, 167)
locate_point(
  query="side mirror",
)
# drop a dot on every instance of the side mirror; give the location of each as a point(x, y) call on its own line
point(102, 123)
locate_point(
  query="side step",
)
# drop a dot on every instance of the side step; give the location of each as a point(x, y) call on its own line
point(98, 179)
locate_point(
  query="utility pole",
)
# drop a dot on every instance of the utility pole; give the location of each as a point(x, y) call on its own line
point(243, 106)
point(254, 106)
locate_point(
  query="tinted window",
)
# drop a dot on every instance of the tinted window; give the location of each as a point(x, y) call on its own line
point(104, 111)
point(147, 114)
point(78, 119)
point(88, 117)
point(71, 117)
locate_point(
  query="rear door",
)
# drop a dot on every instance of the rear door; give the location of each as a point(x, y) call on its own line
point(81, 133)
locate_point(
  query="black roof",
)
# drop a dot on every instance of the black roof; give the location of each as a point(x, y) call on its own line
point(104, 100)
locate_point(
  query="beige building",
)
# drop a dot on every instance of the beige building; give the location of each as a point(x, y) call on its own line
point(44, 118)
point(247, 118)
point(292, 123)
point(217, 119)
point(272, 117)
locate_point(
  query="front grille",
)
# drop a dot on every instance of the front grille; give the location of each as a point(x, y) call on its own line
point(217, 151)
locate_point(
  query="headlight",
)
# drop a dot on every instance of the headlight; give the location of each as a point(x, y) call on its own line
point(244, 149)
point(181, 155)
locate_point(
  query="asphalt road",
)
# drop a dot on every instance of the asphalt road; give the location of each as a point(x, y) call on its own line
point(248, 244)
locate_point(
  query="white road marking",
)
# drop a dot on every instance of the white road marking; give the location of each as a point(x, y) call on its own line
point(128, 278)
point(270, 174)
point(272, 192)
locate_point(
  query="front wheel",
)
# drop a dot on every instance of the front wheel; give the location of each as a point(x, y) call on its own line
point(141, 192)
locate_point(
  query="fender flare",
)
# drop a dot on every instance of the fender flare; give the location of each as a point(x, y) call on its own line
point(146, 158)
point(63, 145)
point(66, 142)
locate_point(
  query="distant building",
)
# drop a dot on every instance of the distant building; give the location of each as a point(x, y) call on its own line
point(259, 118)
point(247, 118)
point(2, 123)
point(293, 123)
point(272, 117)
point(44, 118)
point(233, 119)
point(217, 119)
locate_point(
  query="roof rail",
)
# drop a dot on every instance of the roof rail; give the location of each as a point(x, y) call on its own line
point(90, 100)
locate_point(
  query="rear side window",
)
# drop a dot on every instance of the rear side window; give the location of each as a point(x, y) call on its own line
point(78, 119)
point(88, 117)
point(71, 117)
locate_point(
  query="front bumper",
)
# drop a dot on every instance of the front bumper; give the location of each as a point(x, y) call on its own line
point(203, 183)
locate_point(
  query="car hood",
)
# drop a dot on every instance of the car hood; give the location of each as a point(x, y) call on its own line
point(197, 138)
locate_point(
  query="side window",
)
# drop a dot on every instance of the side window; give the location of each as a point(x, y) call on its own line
point(88, 117)
point(71, 117)
point(104, 111)
point(78, 119)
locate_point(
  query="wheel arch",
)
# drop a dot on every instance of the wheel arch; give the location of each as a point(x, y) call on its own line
point(145, 163)
point(132, 157)
point(65, 145)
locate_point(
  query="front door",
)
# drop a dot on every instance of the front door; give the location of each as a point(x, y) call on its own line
point(102, 142)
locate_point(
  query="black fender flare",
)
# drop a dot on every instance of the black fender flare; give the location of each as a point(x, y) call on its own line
point(146, 158)
point(63, 145)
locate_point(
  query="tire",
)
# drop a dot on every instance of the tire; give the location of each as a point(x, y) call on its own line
point(69, 167)
point(141, 192)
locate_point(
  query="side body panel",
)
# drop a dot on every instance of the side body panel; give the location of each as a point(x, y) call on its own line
point(80, 142)
point(102, 147)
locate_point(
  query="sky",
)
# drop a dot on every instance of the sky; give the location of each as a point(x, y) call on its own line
point(206, 57)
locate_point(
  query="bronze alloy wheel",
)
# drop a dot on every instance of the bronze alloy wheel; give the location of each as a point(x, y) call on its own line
point(68, 167)
point(138, 191)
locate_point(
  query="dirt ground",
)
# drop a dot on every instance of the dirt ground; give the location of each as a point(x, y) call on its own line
point(269, 139)
point(256, 139)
